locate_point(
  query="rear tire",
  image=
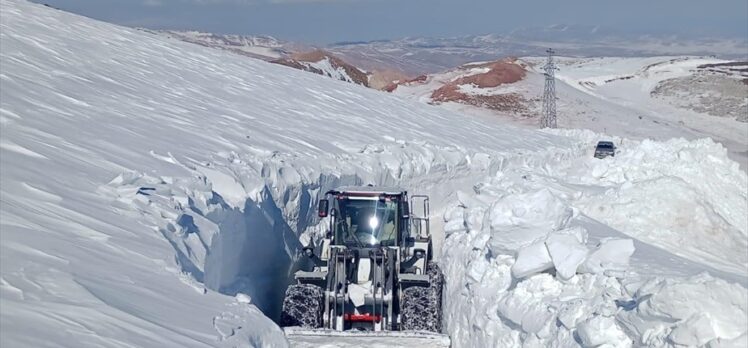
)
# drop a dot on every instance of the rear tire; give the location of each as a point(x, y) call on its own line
point(436, 279)
point(303, 306)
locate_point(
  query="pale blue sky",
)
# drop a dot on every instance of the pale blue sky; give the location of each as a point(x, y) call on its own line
point(326, 21)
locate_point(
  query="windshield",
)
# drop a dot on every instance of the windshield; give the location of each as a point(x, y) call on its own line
point(366, 222)
point(605, 145)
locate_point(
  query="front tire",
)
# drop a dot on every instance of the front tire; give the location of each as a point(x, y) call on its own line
point(420, 310)
point(303, 306)
point(421, 307)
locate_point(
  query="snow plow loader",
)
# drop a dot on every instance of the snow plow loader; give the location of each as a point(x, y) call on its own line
point(372, 278)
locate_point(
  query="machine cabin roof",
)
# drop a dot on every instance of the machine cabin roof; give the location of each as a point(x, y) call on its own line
point(368, 190)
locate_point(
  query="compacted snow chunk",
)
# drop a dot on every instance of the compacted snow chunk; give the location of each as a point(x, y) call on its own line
point(611, 254)
point(602, 331)
point(567, 254)
point(532, 259)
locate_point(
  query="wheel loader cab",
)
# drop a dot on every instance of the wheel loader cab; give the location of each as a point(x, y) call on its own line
point(361, 221)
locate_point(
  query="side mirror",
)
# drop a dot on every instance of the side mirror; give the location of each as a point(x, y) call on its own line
point(323, 208)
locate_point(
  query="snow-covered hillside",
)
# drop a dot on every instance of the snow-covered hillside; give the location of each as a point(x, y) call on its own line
point(636, 85)
point(642, 98)
point(325, 64)
point(270, 49)
point(156, 193)
point(497, 86)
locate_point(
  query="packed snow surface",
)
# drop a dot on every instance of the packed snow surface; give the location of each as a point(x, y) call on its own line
point(156, 193)
point(303, 338)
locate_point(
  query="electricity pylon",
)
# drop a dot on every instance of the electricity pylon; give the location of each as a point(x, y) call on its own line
point(548, 118)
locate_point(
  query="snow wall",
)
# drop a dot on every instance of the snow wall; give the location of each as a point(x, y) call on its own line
point(237, 225)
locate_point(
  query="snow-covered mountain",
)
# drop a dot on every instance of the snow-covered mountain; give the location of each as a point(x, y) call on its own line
point(422, 55)
point(156, 193)
point(390, 60)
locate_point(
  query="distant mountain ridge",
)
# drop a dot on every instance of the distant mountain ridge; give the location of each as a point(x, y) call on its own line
point(255, 46)
point(379, 63)
point(413, 56)
point(421, 55)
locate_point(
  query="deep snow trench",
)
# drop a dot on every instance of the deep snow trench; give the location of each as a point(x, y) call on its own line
point(527, 244)
point(238, 223)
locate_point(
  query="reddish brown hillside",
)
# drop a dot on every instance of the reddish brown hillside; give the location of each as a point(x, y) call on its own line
point(505, 71)
point(501, 72)
point(393, 85)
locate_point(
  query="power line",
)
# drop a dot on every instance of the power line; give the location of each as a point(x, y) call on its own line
point(548, 118)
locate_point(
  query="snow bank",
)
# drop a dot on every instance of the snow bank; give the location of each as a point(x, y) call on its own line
point(699, 311)
point(501, 283)
point(522, 271)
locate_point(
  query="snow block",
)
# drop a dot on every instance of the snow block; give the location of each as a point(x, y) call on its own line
point(357, 293)
point(694, 332)
point(567, 253)
point(526, 307)
point(519, 220)
point(611, 254)
point(532, 259)
point(598, 331)
point(570, 312)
